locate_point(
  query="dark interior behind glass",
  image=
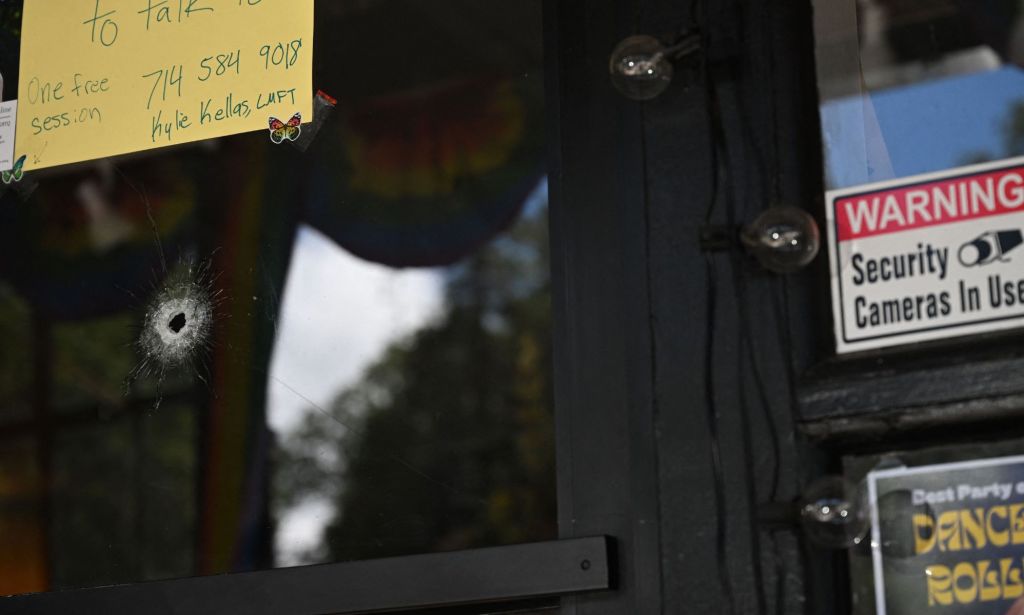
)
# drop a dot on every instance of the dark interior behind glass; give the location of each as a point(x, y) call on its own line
point(375, 379)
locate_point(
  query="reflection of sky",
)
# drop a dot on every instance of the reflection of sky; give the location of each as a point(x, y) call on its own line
point(338, 315)
point(925, 127)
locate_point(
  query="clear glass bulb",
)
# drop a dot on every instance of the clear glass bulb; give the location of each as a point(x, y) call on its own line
point(639, 68)
point(834, 513)
point(784, 239)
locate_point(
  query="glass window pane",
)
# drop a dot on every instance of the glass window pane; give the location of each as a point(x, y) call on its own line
point(123, 502)
point(914, 86)
point(23, 537)
point(235, 355)
point(928, 506)
point(915, 96)
point(16, 362)
point(910, 87)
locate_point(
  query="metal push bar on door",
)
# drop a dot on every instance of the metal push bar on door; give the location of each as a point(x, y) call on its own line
point(479, 576)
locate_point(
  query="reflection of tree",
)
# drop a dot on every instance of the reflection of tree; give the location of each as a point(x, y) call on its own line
point(10, 34)
point(448, 438)
point(1015, 130)
point(10, 18)
point(85, 499)
point(1013, 137)
point(114, 485)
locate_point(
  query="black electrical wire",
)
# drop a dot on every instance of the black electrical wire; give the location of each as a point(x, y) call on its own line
point(751, 486)
point(773, 121)
point(721, 521)
point(780, 300)
point(770, 175)
point(651, 325)
point(769, 168)
point(718, 475)
point(721, 529)
point(754, 531)
point(749, 348)
point(784, 345)
point(780, 574)
point(743, 345)
point(746, 356)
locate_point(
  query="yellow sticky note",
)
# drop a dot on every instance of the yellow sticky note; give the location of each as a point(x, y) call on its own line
point(106, 77)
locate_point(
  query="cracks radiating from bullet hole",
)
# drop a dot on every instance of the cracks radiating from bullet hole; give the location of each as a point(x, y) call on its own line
point(177, 331)
point(178, 326)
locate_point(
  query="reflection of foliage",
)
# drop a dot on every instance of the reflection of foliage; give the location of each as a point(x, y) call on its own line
point(1015, 130)
point(15, 367)
point(1013, 138)
point(89, 361)
point(114, 485)
point(448, 441)
point(10, 17)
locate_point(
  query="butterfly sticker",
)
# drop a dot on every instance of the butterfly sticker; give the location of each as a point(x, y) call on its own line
point(16, 173)
point(279, 131)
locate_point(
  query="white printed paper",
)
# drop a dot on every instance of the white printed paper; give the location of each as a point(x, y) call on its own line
point(8, 117)
point(928, 257)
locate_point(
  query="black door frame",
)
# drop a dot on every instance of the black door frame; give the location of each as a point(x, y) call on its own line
point(680, 363)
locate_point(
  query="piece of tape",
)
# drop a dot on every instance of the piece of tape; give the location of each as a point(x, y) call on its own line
point(323, 108)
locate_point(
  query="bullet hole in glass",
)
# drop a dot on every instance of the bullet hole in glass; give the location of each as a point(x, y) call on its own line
point(177, 323)
point(177, 330)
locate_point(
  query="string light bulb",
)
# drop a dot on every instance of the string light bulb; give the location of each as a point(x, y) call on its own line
point(640, 67)
point(834, 513)
point(784, 239)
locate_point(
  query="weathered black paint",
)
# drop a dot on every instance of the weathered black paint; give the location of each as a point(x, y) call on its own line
point(480, 576)
point(637, 301)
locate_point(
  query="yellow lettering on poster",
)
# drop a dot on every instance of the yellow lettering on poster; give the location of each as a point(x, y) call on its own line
point(100, 78)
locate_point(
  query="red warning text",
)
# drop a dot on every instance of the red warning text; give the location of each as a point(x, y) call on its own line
point(933, 203)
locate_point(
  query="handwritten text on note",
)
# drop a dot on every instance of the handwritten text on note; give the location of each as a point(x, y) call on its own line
point(106, 77)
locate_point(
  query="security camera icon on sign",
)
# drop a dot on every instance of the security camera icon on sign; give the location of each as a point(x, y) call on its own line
point(989, 247)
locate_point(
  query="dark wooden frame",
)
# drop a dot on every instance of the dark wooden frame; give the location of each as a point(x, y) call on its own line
point(481, 576)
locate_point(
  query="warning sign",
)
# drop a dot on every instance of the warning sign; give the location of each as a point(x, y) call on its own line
point(928, 257)
point(949, 538)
